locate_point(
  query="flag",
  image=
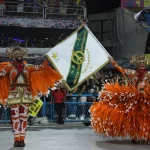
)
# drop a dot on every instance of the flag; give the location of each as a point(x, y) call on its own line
point(78, 57)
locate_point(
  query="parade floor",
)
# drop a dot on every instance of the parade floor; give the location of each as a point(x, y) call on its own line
point(65, 138)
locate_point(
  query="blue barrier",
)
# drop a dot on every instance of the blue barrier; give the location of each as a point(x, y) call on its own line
point(73, 111)
point(4, 115)
point(77, 111)
point(87, 95)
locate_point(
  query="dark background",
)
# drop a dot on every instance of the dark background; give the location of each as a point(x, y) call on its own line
point(21, 32)
point(99, 6)
point(93, 7)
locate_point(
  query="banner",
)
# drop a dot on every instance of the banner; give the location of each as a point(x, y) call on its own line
point(30, 50)
point(135, 3)
point(35, 107)
point(78, 57)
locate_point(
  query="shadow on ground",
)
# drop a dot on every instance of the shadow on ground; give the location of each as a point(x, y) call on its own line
point(16, 148)
point(121, 144)
point(58, 127)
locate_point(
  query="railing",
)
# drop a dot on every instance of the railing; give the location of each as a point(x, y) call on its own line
point(47, 12)
point(13, 10)
point(65, 11)
point(73, 111)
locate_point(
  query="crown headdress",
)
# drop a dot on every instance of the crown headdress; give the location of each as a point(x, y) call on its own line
point(139, 58)
point(15, 51)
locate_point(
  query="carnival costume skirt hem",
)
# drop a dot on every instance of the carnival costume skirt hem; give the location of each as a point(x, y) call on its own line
point(122, 112)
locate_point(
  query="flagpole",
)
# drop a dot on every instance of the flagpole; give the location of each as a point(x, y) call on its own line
point(126, 79)
point(123, 74)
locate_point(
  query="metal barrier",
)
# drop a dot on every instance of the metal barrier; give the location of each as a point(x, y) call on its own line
point(73, 112)
point(15, 10)
point(65, 12)
point(51, 11)
point(4, 115)
point(77, 112)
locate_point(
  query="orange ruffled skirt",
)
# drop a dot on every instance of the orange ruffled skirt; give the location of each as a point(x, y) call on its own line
point(122, 112)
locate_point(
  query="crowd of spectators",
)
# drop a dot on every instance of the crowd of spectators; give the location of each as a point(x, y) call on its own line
point(49, 2)
point(30, 42)
point(34, 5)
point(111, 76)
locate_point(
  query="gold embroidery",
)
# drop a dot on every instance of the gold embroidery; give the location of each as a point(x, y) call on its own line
point(13, 101)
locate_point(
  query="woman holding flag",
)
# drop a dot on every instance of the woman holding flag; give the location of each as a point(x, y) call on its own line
point(124, 110)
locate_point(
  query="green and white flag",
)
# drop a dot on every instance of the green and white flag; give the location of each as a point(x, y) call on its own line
point(78, 57)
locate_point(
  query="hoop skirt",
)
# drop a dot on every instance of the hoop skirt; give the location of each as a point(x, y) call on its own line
point(122, 112)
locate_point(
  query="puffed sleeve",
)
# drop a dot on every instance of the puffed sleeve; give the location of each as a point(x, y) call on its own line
point(5, 70)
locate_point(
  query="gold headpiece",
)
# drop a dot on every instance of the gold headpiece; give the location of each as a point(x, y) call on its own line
point(139, 58)
point(16, 51)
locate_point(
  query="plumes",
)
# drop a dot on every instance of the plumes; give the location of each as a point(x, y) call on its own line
point(43, 80)
point(122, 112)
point(39, 81)
point(4, 84)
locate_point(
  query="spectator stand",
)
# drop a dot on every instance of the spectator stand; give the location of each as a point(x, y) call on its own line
point(45, 42)
point(43, 10)
point(37, 15)
point(22, 9)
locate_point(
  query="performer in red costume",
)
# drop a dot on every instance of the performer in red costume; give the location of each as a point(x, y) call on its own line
point(124, 110)
point(59, 96)
point(20, 83)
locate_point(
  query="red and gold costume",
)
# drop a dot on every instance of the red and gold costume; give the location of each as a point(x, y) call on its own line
point(124, 110)
point(20, 83)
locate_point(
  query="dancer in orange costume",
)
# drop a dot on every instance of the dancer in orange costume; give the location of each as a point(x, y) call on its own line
point(124, 110)
point(20, 83)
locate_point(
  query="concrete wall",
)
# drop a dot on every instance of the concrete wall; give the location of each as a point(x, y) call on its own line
point(30, 50)
point(102, 26)
point(36, 55)
point(130, 36)
point(119, 33)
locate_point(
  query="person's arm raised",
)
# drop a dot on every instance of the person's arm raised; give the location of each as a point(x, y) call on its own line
point(112, 61)
point(128, 72)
